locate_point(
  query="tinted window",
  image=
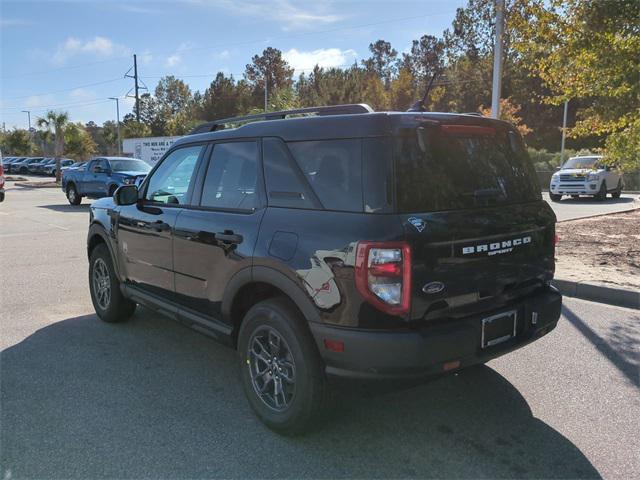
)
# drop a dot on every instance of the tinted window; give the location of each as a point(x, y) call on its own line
point(232, 176)
point(170, 182)
point(98, 164)
point(285, 182)
point(461, 167)
point(334, 171)
point(377, 175)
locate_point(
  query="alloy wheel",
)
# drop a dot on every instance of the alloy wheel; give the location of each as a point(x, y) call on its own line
point(101, 283)
point(272, 368)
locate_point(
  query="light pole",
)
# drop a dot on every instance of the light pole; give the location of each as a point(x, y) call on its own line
point(118, 123)
point(28, 112)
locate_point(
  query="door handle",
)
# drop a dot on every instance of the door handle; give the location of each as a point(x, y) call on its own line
point(159, 226)
point(228, 237)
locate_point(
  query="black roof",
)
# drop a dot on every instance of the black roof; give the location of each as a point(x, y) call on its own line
point(359, 121)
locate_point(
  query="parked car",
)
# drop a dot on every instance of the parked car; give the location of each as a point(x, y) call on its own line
point(33, 167)
point(14, 165)
point(101, 177)
point(349, 243)
point(1, 179)
point(586, 175)
point(51, 168)
point(8, 161)
point(22, 167)
point(39, 167)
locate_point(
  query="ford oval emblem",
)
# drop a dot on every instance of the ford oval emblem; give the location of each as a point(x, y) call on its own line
point(433, 287)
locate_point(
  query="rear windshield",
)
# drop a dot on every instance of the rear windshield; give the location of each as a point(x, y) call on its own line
point(448, 167)
point(129, 166)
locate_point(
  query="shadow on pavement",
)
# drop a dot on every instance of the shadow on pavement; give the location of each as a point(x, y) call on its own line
point(622, 352)
point(83, 207)
point(149, 398)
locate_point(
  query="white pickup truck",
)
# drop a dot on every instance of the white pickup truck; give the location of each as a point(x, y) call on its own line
point(586, 176)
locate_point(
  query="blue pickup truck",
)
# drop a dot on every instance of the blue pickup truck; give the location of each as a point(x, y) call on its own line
point(100, 177)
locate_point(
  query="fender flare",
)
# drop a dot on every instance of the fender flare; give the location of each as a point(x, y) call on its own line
point(96, 228)
point(272, 277)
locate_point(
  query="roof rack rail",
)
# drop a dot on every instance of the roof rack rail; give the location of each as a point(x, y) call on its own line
point(349, 109)
point(475, 114)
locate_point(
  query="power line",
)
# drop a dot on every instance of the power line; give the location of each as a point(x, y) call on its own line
point(66, 89)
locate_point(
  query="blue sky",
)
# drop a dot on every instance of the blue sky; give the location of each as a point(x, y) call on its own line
point(72, 55)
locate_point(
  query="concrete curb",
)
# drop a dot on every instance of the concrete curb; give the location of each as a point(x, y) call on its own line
point(599, 215)
point(37, 184)
point(597, 293)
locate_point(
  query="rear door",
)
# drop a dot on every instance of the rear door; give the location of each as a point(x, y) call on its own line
point(473, 215)
point(215, 238)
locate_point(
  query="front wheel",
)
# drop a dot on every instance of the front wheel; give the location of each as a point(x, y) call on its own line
point(282, 372)
point(602, 193)
point(554, 197)
point(618, 190)
point(73, 196)
point(109, 302)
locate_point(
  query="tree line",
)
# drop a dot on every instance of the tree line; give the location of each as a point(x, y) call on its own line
point(581, 51)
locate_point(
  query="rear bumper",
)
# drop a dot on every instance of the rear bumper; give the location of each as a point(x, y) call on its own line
point(434, 349)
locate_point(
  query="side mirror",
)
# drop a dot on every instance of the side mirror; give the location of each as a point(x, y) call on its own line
point(608, 168)
point(126, 195)
point(558, 168)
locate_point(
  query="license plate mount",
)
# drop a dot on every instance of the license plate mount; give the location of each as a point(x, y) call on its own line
point(498, 328)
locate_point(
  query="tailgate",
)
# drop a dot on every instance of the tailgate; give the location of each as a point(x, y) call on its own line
point(468, 261)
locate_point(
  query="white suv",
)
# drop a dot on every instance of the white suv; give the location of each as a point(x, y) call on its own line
point(586, 176)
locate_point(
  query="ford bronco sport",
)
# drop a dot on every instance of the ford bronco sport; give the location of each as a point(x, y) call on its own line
point(335, 241)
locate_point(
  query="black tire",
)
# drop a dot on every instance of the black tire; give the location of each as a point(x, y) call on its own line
point(115, 308)
point(73, 196)
point(602, 193)
point(112, 190)
point(618, 190)
point(301, 400)
point(23, 170)
point(554, 197)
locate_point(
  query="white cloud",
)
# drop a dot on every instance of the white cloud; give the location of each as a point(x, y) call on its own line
point(97, 46)
point(39, 101)
point(173, 60)
point(81, 94)
point(14, 22)
point(223, 55)
point(290, 15)
point(324, 57)
point(145, 57)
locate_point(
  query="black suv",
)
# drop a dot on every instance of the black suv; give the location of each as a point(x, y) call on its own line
point(335, 241)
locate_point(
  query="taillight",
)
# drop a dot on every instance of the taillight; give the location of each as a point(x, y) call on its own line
point(383, 275)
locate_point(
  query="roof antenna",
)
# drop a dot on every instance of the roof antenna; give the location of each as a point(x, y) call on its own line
point(419, 105)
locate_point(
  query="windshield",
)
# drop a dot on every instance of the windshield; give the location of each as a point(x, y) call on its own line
point(129, 166)
point(581, 162)
point(461, 166)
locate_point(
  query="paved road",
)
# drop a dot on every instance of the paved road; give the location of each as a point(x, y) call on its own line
point(568, 208)
point(151, 398)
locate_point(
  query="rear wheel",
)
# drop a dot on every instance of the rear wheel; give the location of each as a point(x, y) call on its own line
point(281, 369)
point(602, 193)
point(554, 197)
point(72, 195)
point(109, 302)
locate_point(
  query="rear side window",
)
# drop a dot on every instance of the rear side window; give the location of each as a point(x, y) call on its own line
point(232, 176)
point(333, 168)
point(461, 166)
point(285, 182)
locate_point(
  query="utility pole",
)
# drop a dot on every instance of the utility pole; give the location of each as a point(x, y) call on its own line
point(564, 130)
point(118, 124)
point(497, 60)
point(135, 76)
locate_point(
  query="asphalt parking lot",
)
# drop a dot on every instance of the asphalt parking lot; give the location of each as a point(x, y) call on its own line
point(151, 398)
point(569, 208)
